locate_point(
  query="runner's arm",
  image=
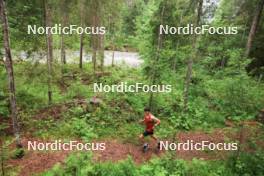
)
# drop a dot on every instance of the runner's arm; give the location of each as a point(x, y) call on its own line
point(156, 120)
point(141, 121)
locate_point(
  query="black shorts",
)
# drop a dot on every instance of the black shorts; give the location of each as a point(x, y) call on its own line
point(146, 133)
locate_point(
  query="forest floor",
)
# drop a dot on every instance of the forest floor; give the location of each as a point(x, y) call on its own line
point(117, 149)
point(37, 162)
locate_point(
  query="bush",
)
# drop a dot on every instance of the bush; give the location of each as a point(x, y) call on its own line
point(248, 164)
point(82, 129)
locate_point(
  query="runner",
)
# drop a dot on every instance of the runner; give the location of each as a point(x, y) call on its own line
point(150, 122)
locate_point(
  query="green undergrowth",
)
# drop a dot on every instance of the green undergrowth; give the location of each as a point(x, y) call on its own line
point(83, 164)
point(213, 99)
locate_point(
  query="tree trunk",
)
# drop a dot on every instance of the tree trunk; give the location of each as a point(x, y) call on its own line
point(177, 46)
point(101, 51)
point(159, 46)
point(10, 73)
point(94, 52)
point(94, 43)
point(113, 57)
point(49, 49)
point(254, 27)
point(2, 152)
point(100, 17)
point(81, 52)
point(64, 20)
point(63, 55)
point(190, 60)
point(81, 35)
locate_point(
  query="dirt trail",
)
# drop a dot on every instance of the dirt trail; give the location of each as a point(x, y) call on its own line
point(116, 150)
point(36, 162)
point(40, 161)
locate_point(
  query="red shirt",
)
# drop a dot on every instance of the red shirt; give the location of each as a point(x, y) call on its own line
point(149, 122)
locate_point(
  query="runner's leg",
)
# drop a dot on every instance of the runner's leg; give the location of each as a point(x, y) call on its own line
point(154, 137)
point(156, 140)
point(141, 138)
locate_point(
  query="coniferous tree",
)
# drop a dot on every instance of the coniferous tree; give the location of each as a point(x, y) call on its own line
point(10, 73)
point(49, 43)
point(254, 26)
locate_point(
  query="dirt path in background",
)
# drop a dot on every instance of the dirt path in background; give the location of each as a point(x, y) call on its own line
point(37, 162)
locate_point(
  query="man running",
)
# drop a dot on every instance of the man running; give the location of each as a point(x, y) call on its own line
point(150, 122)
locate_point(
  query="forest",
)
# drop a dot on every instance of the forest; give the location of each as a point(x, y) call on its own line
point(132, 87)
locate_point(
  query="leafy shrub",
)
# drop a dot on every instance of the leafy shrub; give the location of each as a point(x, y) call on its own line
point(82, 129)
point(82, 164)
point(236, 97)
point(248, 164)
point(4, 111)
